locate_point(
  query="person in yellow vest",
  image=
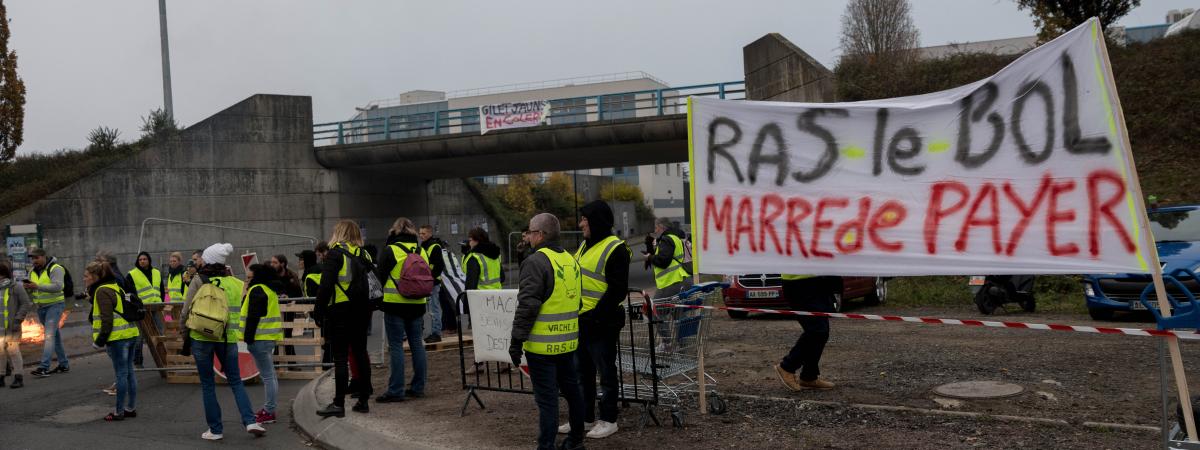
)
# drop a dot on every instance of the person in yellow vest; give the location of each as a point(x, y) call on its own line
point(14, 306)
point(148, 284)
point(262, 329)
point(432, 246)
point(481, 264)
point(45, 286)
point(546, 330)
point(205, 349)
point(343, 316)
point(604, 261)
point(670, 277)
point(808, 293)
point(175, 284)
point(113, 333)
point(403, 317)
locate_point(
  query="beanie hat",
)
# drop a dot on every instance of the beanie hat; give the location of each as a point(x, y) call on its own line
point(216, 253)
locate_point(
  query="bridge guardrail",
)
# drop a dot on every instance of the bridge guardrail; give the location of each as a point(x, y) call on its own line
point(624, 105)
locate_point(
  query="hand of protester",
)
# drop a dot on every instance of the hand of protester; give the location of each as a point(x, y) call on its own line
point(29, 285)
point(97, 346)
point(515, 352)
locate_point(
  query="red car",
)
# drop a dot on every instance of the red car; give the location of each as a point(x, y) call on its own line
point(765, 290)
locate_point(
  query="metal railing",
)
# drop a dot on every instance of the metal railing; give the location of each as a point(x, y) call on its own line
point(624, 105)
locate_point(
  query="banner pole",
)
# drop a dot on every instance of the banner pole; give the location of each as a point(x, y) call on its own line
point(1135, 187)
point(703, 382)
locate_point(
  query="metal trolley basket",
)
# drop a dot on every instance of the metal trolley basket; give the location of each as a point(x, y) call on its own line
point(660, 358)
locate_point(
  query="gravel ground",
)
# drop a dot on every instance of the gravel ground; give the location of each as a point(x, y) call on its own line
point(1071, 377)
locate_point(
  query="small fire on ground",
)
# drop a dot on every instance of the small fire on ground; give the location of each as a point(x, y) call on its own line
point(32, 332)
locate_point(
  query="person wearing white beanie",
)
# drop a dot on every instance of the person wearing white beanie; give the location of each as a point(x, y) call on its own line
point(217, 253)
point(205, 349)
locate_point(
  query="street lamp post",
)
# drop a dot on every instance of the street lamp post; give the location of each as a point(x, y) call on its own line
point(168, 108)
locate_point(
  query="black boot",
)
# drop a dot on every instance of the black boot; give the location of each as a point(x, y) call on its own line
point(332, 411)
point(570, 444)
point(361, 406)
point(18, 382)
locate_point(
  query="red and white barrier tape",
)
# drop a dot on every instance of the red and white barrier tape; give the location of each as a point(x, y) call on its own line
point(967, 322)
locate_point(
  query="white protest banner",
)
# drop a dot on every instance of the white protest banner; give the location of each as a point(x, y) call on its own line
point(1023, 172)
point(491, 322)
point(513, 115)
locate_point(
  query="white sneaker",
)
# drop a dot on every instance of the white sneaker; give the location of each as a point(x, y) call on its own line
point(256, 429)
point(602, 430)
point(210, 436)
point(566, 427)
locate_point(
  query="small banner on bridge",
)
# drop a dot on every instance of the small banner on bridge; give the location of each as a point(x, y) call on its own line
point(513, 115)
point(1027, 171)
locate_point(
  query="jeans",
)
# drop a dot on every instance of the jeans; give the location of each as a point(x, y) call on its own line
point(552, 374)
point(53, 345)
point(204, 352)
point(263, 352)
point(10, 353)
point(598, 350)
point(397, 329)
point(809, 294)
point(435, 311)
point(121, 354)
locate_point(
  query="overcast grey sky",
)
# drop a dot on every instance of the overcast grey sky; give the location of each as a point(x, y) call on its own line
point(88, 63)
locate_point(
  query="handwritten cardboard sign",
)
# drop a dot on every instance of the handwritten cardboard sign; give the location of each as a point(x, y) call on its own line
point(1022, 172)
point(513, 115)
point(491, 322)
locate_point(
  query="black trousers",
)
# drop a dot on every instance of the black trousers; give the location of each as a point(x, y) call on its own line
point(809, 294)
point(551, 375)
point(598, 353)
point(345, 337)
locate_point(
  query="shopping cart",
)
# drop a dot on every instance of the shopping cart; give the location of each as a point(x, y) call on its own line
point(659, 355)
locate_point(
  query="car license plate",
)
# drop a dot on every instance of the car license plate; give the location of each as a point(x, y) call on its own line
point(976, 281)
point(1139, 306)
point(762, 294)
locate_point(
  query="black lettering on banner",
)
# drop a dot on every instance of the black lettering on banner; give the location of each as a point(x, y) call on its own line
point(896, 154)
point(807, 123)
point(881, 118)
point(714, 148)
point(1073, 138)
point(971, 114)
point(779, 158)
point(1028, 90)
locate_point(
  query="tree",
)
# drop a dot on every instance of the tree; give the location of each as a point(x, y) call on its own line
point(1055, 17)
point(12, 95)
point(879, 43)
point(517, 196)
point(158, 125)
point(879, 31)
point(103, 138)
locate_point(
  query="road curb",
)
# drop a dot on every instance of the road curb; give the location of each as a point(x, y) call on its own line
point(334, 433)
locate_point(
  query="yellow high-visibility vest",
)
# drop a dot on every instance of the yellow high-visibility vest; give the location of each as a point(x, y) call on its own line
point(591, 263)
point(556, 330)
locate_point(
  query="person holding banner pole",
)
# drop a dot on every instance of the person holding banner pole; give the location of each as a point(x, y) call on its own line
point(604, 261)
point(546, 330)
point(808, 293)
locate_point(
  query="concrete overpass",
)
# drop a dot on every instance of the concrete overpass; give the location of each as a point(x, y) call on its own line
point(612, 130)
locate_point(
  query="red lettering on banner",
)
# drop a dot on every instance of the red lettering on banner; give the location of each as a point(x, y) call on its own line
point(745, 225)
point(855, 227)
point(986, 193)
point(768, 222)
point(798, 209)
point(819, 224)
point(935, 212)
point(1097, 208)
point(722, 220)
point(891, 214)
point(1053, 216)
point(1027, 210)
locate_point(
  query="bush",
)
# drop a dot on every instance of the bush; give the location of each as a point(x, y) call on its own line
point(103, 138)
point(158, 125)
point(30, 178)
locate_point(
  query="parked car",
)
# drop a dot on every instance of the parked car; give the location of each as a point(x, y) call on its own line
point(765, 290)
point(1176, 232)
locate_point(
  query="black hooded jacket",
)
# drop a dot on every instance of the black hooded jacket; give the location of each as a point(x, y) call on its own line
point(387, 262)
point(487, 249)
point(258, 301)
point(127, 283)
point(665, 248)
point(608, 310)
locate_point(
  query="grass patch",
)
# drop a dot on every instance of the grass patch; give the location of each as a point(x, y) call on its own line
point(30, 178)
point(1054, 293)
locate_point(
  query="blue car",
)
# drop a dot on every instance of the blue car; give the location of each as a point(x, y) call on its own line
point(1177, 235)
